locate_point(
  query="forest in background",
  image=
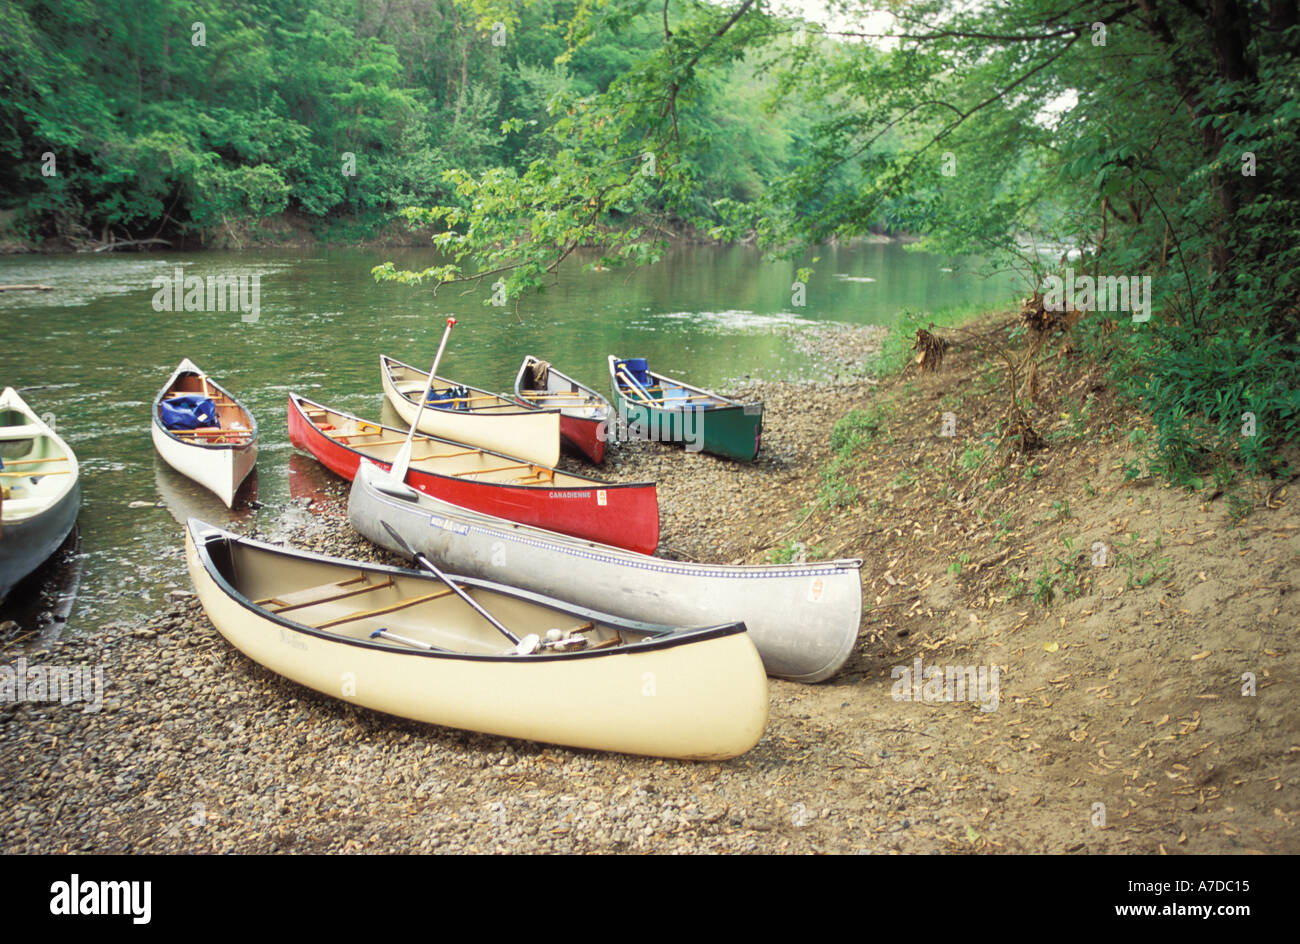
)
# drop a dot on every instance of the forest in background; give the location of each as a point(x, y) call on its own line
point(1151, 139)
point(340, 112)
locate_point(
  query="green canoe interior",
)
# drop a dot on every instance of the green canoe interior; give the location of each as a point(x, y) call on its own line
point(351, 603)
point(664, 392)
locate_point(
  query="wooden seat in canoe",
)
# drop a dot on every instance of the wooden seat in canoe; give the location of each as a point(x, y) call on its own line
point(384, 610)
point(13, 462)
point(325, 593)
point(342, 590)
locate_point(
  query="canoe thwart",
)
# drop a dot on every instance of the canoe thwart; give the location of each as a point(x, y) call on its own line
point(380, 611)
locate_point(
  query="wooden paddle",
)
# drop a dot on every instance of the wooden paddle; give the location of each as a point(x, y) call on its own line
point(431, 568)
point(636, 388)
point(403, 460)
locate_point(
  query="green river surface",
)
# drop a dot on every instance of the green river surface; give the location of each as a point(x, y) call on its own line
point(91, 355)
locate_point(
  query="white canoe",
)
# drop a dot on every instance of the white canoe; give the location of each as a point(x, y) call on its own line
point(482, 419)
point(584, 413)
point(803, 618)
point(401, 642)
point(217, 457)
point(40, 490)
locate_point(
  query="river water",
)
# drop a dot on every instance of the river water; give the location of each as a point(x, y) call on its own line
point(91, 355)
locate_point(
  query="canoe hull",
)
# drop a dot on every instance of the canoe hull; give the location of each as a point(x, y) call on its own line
point(585, 428)
point(584, 436)
point(220, 471)
point(803, 618)
point(27, 544)
point(623, 515)
point(530, 434)
point(704, 699)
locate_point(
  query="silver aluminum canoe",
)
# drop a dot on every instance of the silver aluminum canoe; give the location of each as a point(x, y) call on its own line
point(803, 618)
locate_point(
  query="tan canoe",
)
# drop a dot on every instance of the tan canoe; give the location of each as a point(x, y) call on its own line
point(402, 642)
point(478, 418)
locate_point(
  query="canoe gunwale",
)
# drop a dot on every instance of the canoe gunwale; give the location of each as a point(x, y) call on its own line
point(297, 401)
point(202, 535)
point(622, 556)
point(387, 362)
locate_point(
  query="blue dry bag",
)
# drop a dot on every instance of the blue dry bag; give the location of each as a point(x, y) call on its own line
point(189, 412)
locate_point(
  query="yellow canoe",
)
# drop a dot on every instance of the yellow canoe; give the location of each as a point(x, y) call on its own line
point(402, 642)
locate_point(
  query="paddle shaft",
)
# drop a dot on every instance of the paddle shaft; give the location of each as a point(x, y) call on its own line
point(403, 460)
point(636, 387)
point(433, 569)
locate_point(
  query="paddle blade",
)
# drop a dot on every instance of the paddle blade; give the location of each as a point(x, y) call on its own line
point(402, 463)
point(392, 533)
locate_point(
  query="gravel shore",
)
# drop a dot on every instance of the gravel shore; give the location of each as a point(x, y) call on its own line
point(196, 748)
point(1121, 695)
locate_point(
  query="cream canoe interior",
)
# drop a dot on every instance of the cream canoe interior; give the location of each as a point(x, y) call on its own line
point(435, 456)
point(354, 603)
point(39, 468)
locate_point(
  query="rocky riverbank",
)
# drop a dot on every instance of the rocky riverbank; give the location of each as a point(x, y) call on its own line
point(1126, 693)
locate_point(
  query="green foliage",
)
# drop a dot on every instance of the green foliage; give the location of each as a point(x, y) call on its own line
point(1239, 507)
point(973, 457)
point(855, 430)
point(1002, 129)
point(835, 492)
point(1143, 565)
point(1070, 580)
point(335, 109)
point(1044, 587)
point(1015, 583)
point(1202, 390)
point(795, 552)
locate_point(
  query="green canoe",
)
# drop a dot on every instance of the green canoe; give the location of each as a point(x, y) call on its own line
point(657, 407)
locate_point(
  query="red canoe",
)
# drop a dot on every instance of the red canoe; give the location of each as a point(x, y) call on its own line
point(624, 515)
